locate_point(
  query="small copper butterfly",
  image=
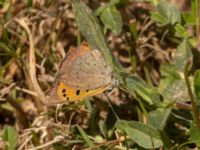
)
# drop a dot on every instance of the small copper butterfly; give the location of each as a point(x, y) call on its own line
point(83, 73)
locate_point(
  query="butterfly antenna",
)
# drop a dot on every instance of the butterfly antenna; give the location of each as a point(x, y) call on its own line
point(113, 110)
point(111, 106)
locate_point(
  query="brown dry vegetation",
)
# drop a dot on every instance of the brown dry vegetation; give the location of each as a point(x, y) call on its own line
point(37, 38)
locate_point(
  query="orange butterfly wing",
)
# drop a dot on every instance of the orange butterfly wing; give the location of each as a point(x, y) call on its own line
point(77, 79)
point(64, 93)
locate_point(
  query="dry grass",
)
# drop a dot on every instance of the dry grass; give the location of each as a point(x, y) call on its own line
point(34, 40)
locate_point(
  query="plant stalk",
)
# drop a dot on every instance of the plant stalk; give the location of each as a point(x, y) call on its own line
point(194, 107)
point(198, 23)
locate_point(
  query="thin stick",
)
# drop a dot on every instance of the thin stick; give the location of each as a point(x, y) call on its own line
point(25, 142)
point(27, 91)
point(55, 140)
point(32, 64)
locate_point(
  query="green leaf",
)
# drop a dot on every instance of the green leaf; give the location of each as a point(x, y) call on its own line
point(169, 12)
point(169, 75)
point(29, 3)
point(7, 50)
point(85, 136)
point(110, 16)
point(147, 92)
point(1, 2)
point(194, 134)
point(190, 17)
point(183, 53)
point(112, 19)
point(158, 118)
point(99, 10)
point(181, 31)
point(103, 128)
point(10, 136)
point(89, 106)
point(133, 29)
point(155, 16)
point(197, 84)
point(90, 29)
point(114, 2)
point(168, 70)
point(176, 91)
point(144, 135)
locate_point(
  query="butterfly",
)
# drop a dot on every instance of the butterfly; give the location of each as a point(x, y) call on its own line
point(83, 73)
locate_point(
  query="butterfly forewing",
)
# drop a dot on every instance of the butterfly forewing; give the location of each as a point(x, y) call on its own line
point(89, 71)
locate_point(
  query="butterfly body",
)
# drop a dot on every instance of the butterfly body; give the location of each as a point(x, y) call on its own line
point(83, 73)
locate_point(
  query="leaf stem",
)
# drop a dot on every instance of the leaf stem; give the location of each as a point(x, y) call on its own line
point(198, 23)
point(194, 107)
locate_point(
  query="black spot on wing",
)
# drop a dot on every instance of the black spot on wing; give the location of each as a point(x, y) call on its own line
point(63, 90)
point(77, 92)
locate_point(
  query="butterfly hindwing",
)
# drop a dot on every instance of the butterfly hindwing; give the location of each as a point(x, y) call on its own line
point(64, 93)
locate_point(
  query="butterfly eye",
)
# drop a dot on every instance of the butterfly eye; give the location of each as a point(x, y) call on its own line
point(87, 90)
